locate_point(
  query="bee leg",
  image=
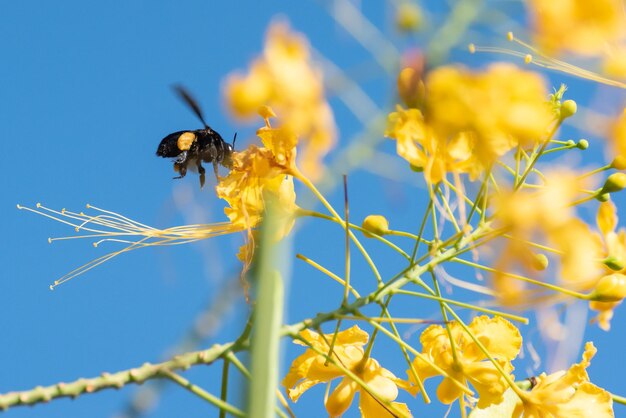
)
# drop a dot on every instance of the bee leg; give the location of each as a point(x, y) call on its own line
point(181, 168)
point(217, 175)
point(201, 170)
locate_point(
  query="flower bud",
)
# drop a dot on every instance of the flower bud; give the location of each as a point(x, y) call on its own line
point(614, 263)
point(540, 262)
point(408, 17)
point(568, 109)
point(411, 88)
point(375, 225)
point(583, 144)
point(611, 288)
point(614, 183)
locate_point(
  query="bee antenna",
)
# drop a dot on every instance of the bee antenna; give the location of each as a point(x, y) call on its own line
point(234, 139)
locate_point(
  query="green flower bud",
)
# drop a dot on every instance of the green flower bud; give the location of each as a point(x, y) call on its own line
point(614, 263)
point(614, 183)
point(583, 144)
point(603, 197)
point(568, 109)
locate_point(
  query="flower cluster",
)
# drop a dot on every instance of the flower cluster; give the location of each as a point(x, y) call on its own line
point(378, 387)
point(470, 119)
point(284, 78)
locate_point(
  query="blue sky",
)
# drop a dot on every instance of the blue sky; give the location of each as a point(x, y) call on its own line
point(85, 101)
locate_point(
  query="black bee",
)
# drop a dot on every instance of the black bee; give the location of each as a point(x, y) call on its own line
point(191, 148)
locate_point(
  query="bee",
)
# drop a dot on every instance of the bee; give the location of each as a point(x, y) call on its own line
point(192, 148)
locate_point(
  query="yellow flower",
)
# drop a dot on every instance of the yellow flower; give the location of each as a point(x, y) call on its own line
point(545, 217)
point(416, 143)
point(614, 240)
point(312, 368)
point(465, 361)
point(471, 119)
point(257, 171)
point(614, 248)
point(606, 296)
point(254, 172)
point(578, 26)
point(496, 109)
point(566, 394)
point(284, 79)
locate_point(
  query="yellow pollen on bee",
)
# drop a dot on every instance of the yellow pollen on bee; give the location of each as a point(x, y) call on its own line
point(185, 140)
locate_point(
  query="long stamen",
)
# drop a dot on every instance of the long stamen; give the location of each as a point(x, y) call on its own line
point(111, 227)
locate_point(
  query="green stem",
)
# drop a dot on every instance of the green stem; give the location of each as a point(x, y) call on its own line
point(412, 370)
point(224, 391)
point(267, 317)
point(618, 399)
point(201, 393)
point(559, 289)
point(463, 305)
point(305, 180)
point(304, 212)
point(327, 272)
point(536, 157)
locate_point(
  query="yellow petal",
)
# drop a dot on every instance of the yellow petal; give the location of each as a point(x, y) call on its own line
point(341, 398)
point(607, 217)
point(448, 392)
point(588, 401)
point(500, 337)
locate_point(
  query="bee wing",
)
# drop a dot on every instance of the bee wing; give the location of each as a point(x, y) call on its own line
point(184, 94)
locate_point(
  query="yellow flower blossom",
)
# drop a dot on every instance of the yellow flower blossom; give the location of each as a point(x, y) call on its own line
point(256, 171)
point(497, 109)
point(284, 79)
point(416, 143)
point(566, 394)
point(545, 217)
point(312, 368)
point(614, 240)
point(615, 248)
point(578, 26)
point(464, 360)
point(471, 119)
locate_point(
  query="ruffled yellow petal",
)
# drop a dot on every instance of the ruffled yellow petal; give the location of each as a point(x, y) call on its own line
point(312, 368)
point(588, 401)
point(488, 381)
point(567, 394)
point(501, 339)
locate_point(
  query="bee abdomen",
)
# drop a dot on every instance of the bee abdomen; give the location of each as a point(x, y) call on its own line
point(175, 143)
